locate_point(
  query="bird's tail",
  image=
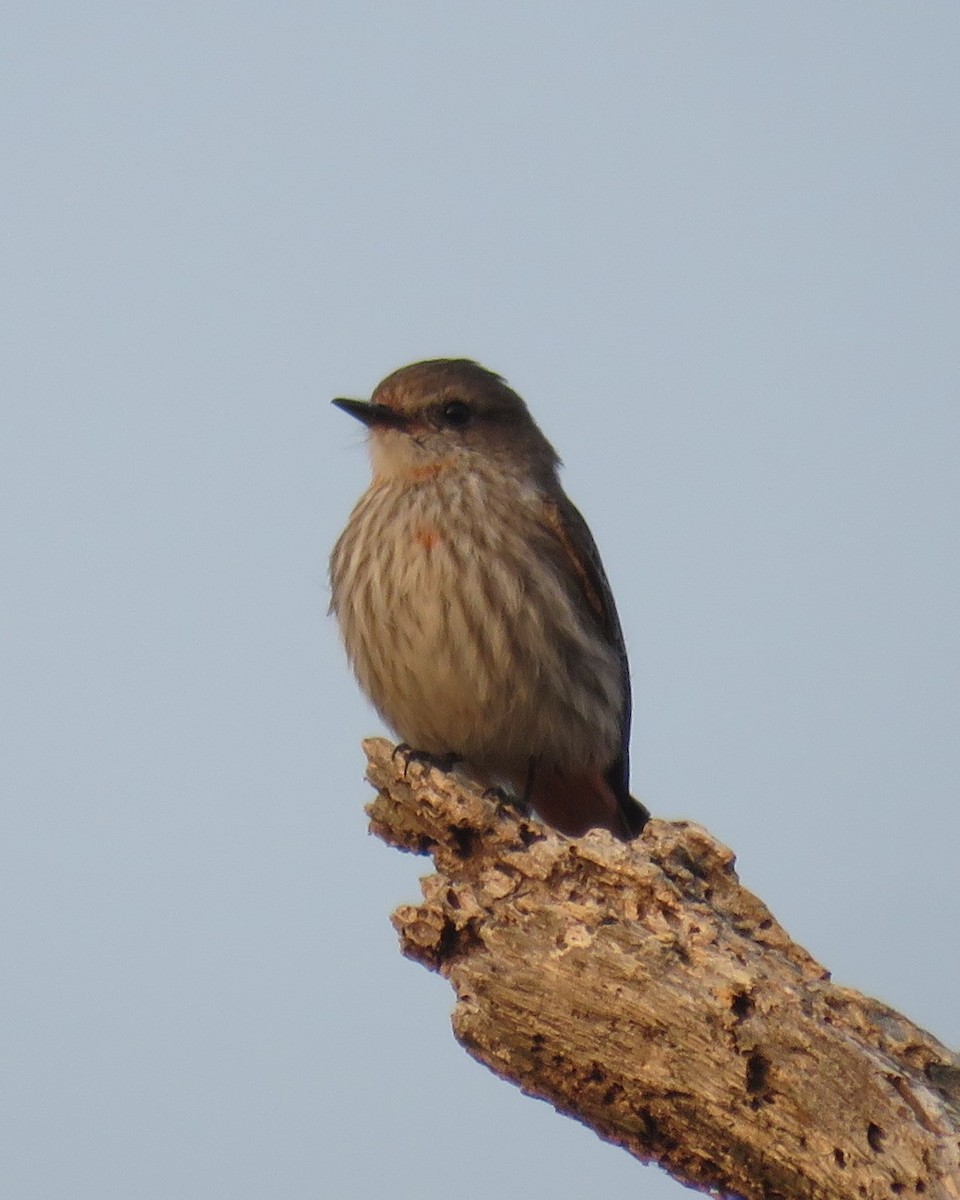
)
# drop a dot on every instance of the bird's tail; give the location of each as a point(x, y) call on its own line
point(633, 816)
point(574, 802)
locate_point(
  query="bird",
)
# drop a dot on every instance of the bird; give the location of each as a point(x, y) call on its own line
point(473, 604)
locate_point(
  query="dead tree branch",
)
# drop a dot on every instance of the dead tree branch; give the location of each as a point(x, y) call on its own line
point(639, 988)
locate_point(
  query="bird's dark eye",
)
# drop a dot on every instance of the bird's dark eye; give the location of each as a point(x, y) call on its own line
point(455, 412)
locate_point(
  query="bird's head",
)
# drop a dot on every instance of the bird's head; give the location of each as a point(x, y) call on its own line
point(451, 411)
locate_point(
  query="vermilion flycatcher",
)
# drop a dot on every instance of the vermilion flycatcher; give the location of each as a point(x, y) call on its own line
point(473, 603)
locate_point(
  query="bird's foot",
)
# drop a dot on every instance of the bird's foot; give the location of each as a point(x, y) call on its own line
point(408, 755)
point(507, 799)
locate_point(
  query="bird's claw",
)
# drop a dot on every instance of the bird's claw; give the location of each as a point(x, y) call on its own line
point(507, 799)
point(408, 755)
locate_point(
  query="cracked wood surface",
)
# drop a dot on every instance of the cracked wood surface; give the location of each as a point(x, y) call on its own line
point(640, 989)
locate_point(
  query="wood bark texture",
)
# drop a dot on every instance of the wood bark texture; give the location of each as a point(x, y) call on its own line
point(640, 989)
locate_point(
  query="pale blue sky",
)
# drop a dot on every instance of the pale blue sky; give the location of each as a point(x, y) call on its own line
point(715, 246)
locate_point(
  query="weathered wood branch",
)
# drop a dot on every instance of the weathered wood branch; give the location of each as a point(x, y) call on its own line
point(639, 988)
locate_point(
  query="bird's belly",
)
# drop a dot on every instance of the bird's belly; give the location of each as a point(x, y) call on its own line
point(457, 656)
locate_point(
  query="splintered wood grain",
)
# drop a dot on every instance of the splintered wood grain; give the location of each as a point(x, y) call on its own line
point(640, 989)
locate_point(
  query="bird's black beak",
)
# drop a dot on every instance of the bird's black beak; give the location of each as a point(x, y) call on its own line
point(374, 416)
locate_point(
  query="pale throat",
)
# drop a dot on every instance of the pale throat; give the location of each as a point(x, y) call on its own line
point(398, 458)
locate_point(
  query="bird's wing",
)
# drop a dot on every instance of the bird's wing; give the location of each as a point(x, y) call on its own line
point(580, 551)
